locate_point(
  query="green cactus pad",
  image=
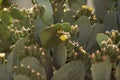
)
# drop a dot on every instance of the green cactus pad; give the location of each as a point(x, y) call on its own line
point(69, 17)
point(92, 43)
point(74, 70)
point(101, 70)
point(66, 27)
point(9, 65)
point(77, 4)
point(19, 77)
point(59, 55)
point(45, 60)
point(5, 18)
point(101, 37)
point(38, 26)
point(34, 64)
point(4, 74)
point(101, 7)
point(5, 38)
point(26, 22)
point(19, 46)
point(47, 17)
point(110, 21)
point(84, 28)
point(47, 36)
point(15, 13)
point(117, 75)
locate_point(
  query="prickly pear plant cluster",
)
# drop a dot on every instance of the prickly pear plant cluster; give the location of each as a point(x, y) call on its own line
point(59, 40)
point(107, 12)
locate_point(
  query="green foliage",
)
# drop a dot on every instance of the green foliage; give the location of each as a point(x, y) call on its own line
point(60, 40)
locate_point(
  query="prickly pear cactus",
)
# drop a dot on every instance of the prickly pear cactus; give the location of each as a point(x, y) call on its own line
point(117, 72)
point(97, 28)
point(74, 70)
point(4, 74)
point(19, 77)
point(47, 17)
point(83, 26)
point(54, 34)
point(102, 7)
point(59, 40)
point(5, 35)
point(102, 37)
point(76, 4)
point(110, 21)
point(59, 55)
point(101, 70)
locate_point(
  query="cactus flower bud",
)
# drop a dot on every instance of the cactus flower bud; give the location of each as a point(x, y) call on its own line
point(84, 7)
point(91, 9)
point(2, 55)
point(63, 37)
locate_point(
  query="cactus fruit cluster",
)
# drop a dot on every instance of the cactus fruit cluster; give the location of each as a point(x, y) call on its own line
point(59, 40)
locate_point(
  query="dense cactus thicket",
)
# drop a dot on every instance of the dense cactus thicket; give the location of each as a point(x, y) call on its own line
point(59, 40)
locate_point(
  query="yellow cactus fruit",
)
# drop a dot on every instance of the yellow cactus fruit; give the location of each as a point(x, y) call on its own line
point(63, 37)
point(84, 7)
point(91, 9)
